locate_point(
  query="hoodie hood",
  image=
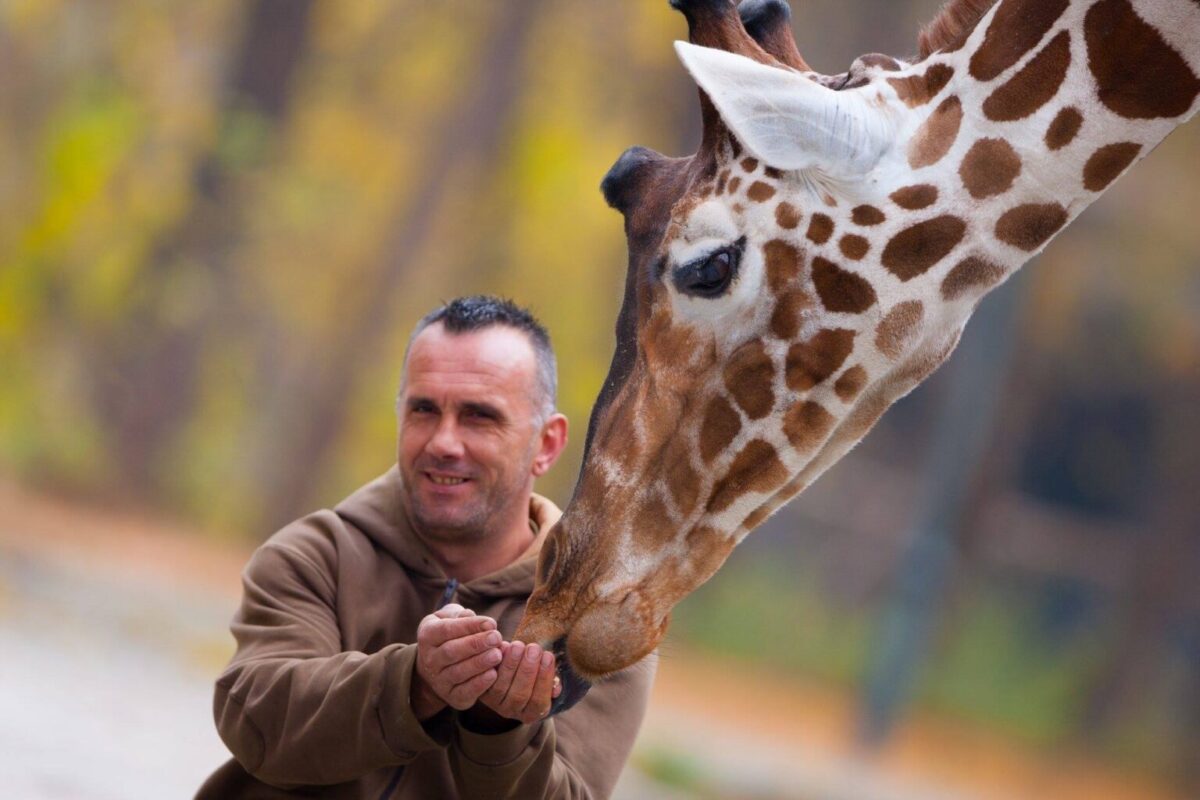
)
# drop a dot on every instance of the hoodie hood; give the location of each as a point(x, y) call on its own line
point(377, 510)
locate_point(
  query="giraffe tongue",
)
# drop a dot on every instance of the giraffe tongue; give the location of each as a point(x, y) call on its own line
point(574, 688)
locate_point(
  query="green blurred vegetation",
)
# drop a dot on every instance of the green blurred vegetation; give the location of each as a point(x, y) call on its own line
point(1003, 658)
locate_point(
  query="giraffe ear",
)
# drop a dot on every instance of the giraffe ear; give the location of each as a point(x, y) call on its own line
point(787, 120)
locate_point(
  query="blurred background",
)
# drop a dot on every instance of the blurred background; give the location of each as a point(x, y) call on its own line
point(218, 223)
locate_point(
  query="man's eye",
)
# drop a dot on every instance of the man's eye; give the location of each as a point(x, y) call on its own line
point(711, 275)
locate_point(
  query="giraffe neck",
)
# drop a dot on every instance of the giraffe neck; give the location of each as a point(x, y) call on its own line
point(1055, 99)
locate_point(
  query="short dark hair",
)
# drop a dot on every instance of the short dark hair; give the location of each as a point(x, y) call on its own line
point(476, 312)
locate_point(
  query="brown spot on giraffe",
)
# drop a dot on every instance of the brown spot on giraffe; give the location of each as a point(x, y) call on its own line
point(783, 263)
point(787, 216)
point(1016, 29)
point(840, 290)
point(757, 517)
point(1138, 75)
point(867, 216)
point(1107, 163)
point(749, 377)
point(734, 184)
point(880, 396)
point(1064, 128)
point(760, 192)
point(820, 228)
point(756, 468)
point(912, 251)
point(1035, 85)
point(721, 424)
point(897, 329)
point(917, 90)
point(936, 135)
point(806, 425)
point(850, 383)
point(969, 274)
point(667, 343)
point(813, 362)
point(1030, 226)
point(785, 319)
point(914, 198)
point(854, 247)
point(682, 479)
point(989, 168)
point(648, 528)
point(773, 173)
point(722, 181)
point(707, 549)
point(749, 164)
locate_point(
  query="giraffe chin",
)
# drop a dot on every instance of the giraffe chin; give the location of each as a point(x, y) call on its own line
point(608, 637)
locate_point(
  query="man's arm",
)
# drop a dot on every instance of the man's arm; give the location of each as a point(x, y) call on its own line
point(579, 754)
point(292, 707)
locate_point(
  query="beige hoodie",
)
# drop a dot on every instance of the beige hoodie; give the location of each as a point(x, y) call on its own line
point(315, 702)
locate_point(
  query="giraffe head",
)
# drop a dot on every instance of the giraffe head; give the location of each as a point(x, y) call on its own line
point(813, 262)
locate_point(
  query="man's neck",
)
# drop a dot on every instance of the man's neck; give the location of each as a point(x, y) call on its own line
point(467, 561)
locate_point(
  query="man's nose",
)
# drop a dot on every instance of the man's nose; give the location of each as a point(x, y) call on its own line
point(445, 442)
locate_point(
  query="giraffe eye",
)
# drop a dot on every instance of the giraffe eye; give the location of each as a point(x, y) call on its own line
point(711, 275)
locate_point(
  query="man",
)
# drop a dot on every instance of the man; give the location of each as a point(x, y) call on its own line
point(372, 659)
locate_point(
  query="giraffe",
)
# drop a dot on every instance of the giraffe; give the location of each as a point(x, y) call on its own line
point(815, 260)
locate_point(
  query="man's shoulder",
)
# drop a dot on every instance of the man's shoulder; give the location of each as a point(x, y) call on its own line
point(314, 538)
point(323, 535)
point(369, 506)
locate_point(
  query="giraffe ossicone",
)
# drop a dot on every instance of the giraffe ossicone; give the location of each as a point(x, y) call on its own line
point(817, 258)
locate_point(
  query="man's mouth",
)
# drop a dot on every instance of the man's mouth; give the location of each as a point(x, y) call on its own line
point(446, 480)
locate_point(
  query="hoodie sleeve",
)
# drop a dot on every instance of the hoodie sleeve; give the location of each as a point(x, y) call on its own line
point(292, 707)
point(579, 754)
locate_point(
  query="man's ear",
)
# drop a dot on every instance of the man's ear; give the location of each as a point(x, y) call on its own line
point(788, 121)
point(550, 446)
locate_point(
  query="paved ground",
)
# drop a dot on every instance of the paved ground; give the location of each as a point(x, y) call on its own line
point(103, 694)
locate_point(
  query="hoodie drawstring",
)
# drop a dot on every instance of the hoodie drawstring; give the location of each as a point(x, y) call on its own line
point(448, 595)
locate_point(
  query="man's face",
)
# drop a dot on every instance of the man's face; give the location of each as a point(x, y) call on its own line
point(469, 428)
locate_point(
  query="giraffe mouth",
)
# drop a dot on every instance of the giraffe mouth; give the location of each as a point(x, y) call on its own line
point(574, 688)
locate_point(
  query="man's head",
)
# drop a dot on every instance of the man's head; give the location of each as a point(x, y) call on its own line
point(476, 417)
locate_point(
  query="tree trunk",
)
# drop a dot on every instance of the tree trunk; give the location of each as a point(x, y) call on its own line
point(145, 373)
point(969, 416)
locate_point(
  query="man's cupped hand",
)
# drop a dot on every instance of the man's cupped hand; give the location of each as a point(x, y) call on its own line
point(462, 661)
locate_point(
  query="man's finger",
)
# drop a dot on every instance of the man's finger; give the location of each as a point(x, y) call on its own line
point(539, 700)
point(440, 631)
point(466, 647)
point(522, 685)
point(505, 673)
point(463, 671)
point(464, 695)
